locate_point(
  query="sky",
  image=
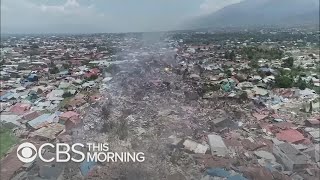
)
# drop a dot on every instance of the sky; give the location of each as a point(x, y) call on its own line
point(95, 16)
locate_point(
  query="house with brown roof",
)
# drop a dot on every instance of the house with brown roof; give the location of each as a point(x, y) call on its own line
point(20, 108)
point(70, 119)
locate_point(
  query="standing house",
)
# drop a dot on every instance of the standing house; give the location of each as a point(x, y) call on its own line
point(6, 97)
point(30, 116)
point(43, 120)
point(20, 108)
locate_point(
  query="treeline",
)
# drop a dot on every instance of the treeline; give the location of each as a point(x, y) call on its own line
point(255, 53)
point(207, 38)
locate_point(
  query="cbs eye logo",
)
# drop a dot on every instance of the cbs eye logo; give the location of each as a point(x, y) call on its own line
point(26, 152)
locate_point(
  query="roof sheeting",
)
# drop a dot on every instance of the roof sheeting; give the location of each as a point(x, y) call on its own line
point(55, 95)
point(43, 120)
point(20, 108)
point(10, 118)
point(290, 135)
point(49, 132)
point(39, 121)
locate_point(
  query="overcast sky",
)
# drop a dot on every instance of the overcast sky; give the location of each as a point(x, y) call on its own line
point(81, 16)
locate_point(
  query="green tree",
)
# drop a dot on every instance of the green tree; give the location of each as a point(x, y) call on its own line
point(301, 84)
point(227, 55)
point(233, 55)
point(310, 84)
point(53, 69)
point(34, 46)
point(253, 63)
point(288, 63)
point(228, 73)
point(66, 66)
point(66, 94)
point(283, 81)
point(92, 77)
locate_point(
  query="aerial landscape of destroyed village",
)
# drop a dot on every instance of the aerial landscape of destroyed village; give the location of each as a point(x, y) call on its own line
point(202, 104)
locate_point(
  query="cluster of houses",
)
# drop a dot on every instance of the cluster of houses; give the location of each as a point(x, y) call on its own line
point(46, 84)
point(282, 134)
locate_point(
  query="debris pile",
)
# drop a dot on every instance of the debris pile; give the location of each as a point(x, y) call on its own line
point(193, 112)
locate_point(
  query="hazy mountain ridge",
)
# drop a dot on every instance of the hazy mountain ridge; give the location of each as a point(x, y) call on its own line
point(261, 12)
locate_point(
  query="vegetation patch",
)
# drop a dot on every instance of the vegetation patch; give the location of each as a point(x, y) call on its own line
point(7, 140)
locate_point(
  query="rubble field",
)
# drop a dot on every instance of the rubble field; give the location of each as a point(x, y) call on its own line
point(230, 109)
point(152, 106)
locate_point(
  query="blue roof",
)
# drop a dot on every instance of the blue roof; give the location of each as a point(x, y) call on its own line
point(39, 120)
point(43, 118)
point(86, 166)
point(218, 172)
point(6, 96)
point(32, 76)
point(57, 113)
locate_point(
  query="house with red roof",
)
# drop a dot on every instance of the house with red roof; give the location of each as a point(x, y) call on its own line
point(20, 108)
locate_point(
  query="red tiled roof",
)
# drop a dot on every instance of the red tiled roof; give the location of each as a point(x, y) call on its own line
point(20, 108)
point(290, 135)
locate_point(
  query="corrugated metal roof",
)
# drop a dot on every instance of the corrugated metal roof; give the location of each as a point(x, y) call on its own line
point(12, 118)
point(6, 96)
point(40, 121)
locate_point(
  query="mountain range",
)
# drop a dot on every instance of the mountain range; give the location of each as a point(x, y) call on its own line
point(261, 13)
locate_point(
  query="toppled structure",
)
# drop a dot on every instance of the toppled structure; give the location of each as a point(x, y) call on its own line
point(292, 158)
